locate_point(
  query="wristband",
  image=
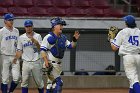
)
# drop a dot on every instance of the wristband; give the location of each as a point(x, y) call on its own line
point(111, 40)
point(74, 39)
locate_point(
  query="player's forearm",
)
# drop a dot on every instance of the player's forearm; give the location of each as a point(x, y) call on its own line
point(114, 48)
point(37, 44)
point(73, 44)
point(44, 56)
point(18, 55)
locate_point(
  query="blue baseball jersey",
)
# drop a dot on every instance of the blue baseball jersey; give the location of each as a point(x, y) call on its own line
point(55, 46)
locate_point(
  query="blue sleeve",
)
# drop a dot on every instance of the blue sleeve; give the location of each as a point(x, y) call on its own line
point(69, 46)
point(43, 48)
point(45, 44)
point(51, 40)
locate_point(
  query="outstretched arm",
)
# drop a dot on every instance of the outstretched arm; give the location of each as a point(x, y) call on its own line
point(75, 38)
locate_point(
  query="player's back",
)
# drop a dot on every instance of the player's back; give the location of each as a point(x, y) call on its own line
point(130, 41)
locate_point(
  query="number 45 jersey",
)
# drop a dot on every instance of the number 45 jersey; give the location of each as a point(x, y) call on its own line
point(128, 41)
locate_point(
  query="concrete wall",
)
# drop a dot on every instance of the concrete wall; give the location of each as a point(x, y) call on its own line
point(78, 23)
point(95, 82)
point(90, 82)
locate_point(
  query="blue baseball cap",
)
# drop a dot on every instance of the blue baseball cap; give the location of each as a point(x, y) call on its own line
point(28, 22)
point(56, 21)
point(8, 16)
point(129, 19)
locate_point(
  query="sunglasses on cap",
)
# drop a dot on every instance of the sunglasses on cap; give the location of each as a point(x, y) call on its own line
point(28, 26)
point(10, 20)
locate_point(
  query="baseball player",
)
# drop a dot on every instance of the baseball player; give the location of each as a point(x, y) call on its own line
point(29, 48)
point(128, 43)
point(52, 50)
point(8, 43)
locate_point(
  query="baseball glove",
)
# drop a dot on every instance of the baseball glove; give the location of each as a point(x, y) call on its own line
point(50, 68)
point(112, 32)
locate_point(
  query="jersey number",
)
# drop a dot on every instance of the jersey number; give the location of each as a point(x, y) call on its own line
point(35, 50)
point(134, 40)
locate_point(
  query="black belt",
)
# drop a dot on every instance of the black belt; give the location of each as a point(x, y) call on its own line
point(56, 62)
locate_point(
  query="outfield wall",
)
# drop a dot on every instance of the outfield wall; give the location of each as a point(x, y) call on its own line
point(73, 22)
point(90, 82)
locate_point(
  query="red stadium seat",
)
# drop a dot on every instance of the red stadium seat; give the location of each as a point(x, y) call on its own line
point(44, 3)
point(100, 4)
point(81, 3)
point(3, 11)
point(62, 3)
point(18, 11)
point(56, 11)
point(134, 1)
point(95, 12)
point(113, 12)
point(37, 11)
point(75, 12)
point(23, 3)
point(138, 5)
point(6, 3)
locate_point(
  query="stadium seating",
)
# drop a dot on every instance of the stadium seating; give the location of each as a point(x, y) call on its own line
point(44, 3)
point(37, 11)
point(81, 3)
point(138, 5)
point(18, 11)
point(75, 12)
point(70, 8)
point(6, 3)
point(3, 10)
point(56, 11)
point(62, 3)
point(94, 12)
point(23, 3)
point(134, 1)
point(102, 4)
point(113, 12)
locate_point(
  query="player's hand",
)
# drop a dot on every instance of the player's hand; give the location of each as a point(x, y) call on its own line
point(76, 35)
point(46, 64)
point(32, 39)
point(50, 68)
point(14, 61)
